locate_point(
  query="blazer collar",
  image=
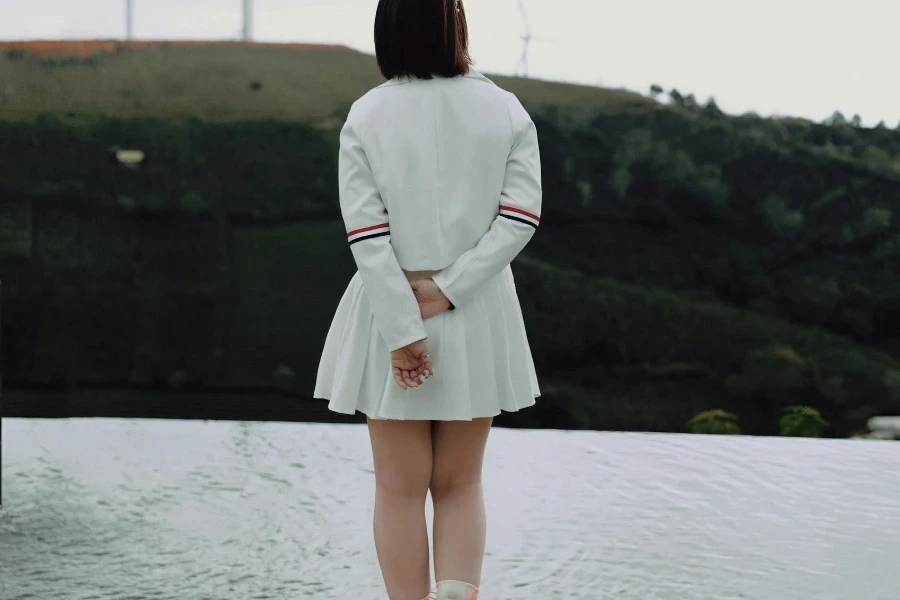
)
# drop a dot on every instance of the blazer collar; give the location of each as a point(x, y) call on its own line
point(477, 75)
point(473, 74)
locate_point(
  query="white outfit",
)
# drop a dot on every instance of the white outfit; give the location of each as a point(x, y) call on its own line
point(455, 164)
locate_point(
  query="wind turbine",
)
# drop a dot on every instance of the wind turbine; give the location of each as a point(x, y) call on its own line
point(522, 66)
point(129, 19)
point(527, 38)
point(248, 21)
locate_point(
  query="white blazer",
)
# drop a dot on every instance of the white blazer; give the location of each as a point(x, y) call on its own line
point(439, 173)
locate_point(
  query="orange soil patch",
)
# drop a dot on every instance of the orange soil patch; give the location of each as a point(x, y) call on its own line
point(88, 48)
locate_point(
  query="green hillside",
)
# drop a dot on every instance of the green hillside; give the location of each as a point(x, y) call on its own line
point(687, 259)
point(216, 81)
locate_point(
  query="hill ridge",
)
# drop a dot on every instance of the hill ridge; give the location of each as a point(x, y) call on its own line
point(87, 48)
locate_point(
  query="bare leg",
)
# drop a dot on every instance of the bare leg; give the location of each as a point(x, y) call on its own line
point(402, 456)
point(459, 514)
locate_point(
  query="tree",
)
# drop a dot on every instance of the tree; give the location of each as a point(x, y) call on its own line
point(876, 218)
point(877, 158)
point(691, 102)
point(856, 121)
point(712, 109)
point(836, 119)
point(620, 181)
point(782, 220)
point(676, 97)
point(655, 91)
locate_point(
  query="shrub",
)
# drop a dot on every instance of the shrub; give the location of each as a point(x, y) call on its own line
point(802, 421)
point(715, 421)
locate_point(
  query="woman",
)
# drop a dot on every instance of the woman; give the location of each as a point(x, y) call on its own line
point(453, 160)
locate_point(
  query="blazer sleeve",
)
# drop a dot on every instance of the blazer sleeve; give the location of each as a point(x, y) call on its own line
point(519, 214)
point(390, 295)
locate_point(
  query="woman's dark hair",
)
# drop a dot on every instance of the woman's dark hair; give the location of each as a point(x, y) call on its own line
point(421, 38)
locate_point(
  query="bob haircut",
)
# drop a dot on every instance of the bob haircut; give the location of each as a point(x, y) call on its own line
point(421, 38)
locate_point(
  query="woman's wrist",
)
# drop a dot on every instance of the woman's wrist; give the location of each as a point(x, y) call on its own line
point(450, 305)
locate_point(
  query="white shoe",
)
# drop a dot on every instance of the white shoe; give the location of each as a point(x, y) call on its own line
point(451, 589)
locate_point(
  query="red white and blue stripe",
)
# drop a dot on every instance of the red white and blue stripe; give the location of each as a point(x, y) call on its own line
point(366, 233)
point(517, 214)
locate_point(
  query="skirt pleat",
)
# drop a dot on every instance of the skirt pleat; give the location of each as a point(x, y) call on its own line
point(480, 352)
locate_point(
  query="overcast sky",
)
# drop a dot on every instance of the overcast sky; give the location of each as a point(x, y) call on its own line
point(798, 57)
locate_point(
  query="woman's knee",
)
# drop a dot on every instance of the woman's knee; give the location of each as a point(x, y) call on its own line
point(458, 455)
point(402, 457)
point(401, 482)
point(444, 486)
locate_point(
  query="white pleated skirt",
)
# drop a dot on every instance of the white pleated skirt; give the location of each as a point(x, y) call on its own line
point(480, 353)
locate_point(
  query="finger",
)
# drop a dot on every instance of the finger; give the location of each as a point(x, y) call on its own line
point(414, 378)
point(398, 378)
point(420, 374)
point(407, 378)
point(400, 382)
point(428, 372)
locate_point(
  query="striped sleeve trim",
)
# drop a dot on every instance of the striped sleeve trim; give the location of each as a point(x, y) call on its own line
point(373, 231)
point(517, 214)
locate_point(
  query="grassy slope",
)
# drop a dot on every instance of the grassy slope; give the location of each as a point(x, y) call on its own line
point(212, 81)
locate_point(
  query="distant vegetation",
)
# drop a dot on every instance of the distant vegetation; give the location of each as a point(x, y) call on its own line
point(715, 422)
point(688, 261)
point(802, 421)
point(795, 421)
